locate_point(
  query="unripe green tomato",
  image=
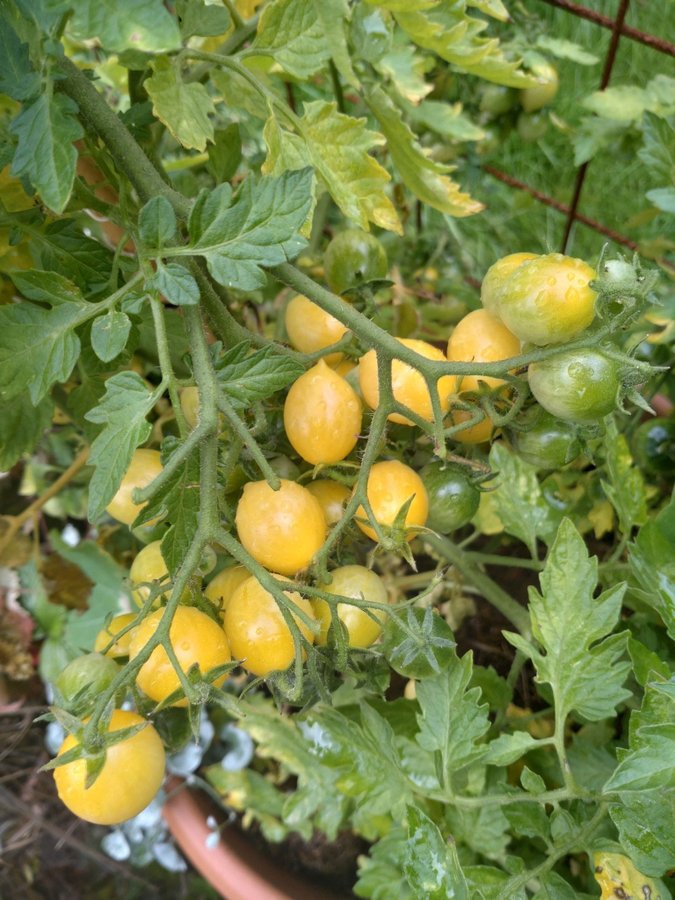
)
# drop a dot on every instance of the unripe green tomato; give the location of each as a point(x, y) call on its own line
point(654, 446)
point(497, 99)
point(576, 385)
point(92, 671)
point(534, 98)
point(352, 258)
point(532, 126)
point(453, 498)
point(549, 444)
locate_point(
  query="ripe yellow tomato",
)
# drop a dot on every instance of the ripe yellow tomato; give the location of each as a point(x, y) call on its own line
point(256, 630)
point(131, 775)
point(148, 566)
point(121, 645)
point(322, 416)
point(409, 386)
point(281, 529)
point(189, 403)
point(481, 337)
point(310, 328)
point(474, 434)
point(221, 587)
point(332, 496)
point(195, 638)
point(145, 467)
point(390, 485)
point(361, 584)
point(495, 276)
point(548, 300)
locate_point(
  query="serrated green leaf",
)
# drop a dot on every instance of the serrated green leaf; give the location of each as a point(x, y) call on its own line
point(626, 488)
point(246, 791)
point(518, 499)
point(225, 153)
point(247, 378)
point(62, 247)
point(109, 334)
point(157, 222)
point(532, 781)
point(581, 663)
point(489, 883)
point(420, 646)
point(593, 135)
point(183, 107)
point(449, 32)
point(239, 93)
point(203, 19)
point(381, 870)
point(38, 347)
point(431, 865)
point(122, 413)
point(646, 824)
point(125, 24)
point(21, 427)
point(302, 35)
point(452, 720)
point(17, 78)
point(484, 830)
point(446, 119)
point(507, 748)
point(565, 49)
point(406, 70)
point(260, 228)
point(424, 177)
point(45, 152)
point(658, 150)
point(176, 283)
point(554, 887)
point(338, 147)
point(650, 765)
point(47, 287)
point(652, 562)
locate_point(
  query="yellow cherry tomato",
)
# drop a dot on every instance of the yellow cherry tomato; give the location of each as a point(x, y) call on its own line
point(145, 467)
point(344, 367)
point(131, 775)
point(310, 328)
point(221, 587)
point(390, 485)
point(541, 94)
point(408, 384)
point(481, 337)
point(332, 496)
point(148, 566)
point(189, 403)
point(495, 276)
point(257, 631)
point(195, 638)
point(361, 584)
point(548, 300)
point(322, 416)
point(281, 529)
point(121, 645)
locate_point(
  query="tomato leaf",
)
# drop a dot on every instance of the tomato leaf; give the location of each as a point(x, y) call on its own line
point(183, 107)
point(247, 791)
point(381, 871)
point(581, 662)
point(431, 863)
point(452, 720)
point(21, 427)
point(45, 152)
point(17, 77)
point(250, 377)
point(202, 19)
point(122, 413)
point(109, 334)
point(652, 563)
point(259, 227)
point(124, 24)
point(626, 487)
point(225, 153)
point(157, 222)
point(421, 174)
point(338, 148)
point(176, 283)
point(62, 247)
point(406, 69)
point(565, 49)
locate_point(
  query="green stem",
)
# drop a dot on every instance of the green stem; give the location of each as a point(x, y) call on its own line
point(244, 435)
point(495, 559)
point(165, 363)
point(507, 606)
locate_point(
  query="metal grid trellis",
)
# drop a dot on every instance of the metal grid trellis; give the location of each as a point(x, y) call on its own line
point(619, 29)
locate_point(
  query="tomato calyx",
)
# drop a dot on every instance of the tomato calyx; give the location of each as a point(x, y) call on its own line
point(622, 286)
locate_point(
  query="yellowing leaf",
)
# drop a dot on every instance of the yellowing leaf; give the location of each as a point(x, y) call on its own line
point(12, 195)
point(183, 108)
point(337, 147)
point(405, 68)
point(424, 176)
point(618, 877)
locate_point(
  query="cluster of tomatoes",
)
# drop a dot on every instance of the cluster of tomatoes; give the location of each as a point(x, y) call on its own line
point(527, 299)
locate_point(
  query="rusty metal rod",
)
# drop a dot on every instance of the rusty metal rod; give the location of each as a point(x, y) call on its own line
point(642, 37)
point(606, 75)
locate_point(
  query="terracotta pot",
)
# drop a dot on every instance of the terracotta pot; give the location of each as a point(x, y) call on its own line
point(236, 868)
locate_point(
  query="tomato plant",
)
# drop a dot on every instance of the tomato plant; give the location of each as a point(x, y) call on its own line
point(235, 241)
